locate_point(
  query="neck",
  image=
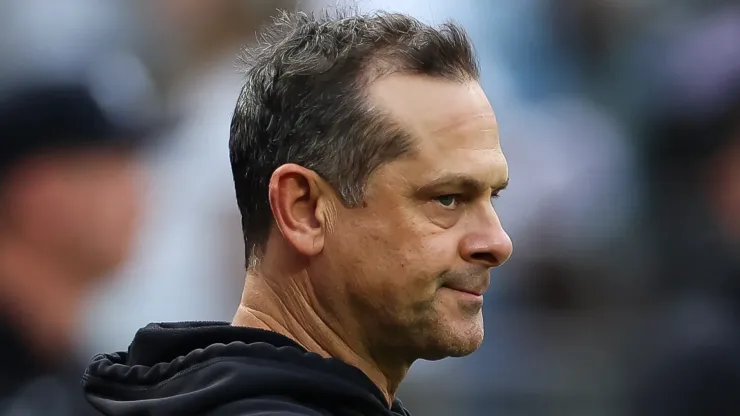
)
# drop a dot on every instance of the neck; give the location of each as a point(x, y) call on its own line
point(41, 300)
point(290, 311)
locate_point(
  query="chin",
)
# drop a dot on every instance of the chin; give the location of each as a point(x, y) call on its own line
point(465, 345)
point(106, 260)
point(455, 341)
point(463, 348)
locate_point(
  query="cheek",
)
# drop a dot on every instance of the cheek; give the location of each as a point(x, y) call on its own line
point(427, 249)
point(114, 205)
point(394, 260)
point(124, 207)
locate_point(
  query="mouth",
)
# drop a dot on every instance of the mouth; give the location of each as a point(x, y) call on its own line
point(467, 291)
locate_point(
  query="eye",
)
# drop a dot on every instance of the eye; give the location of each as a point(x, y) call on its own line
point(447, 201)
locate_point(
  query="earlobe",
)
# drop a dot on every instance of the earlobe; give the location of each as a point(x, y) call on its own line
point(294, 196)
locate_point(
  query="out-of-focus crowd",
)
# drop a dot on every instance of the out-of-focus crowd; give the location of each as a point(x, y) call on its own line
point(621, 125)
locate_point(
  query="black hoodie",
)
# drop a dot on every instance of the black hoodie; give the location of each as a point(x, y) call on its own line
point(215, 369)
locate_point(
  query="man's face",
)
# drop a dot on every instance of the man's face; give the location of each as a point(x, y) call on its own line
point(414, 261)
point(103, 206)
point(80, 207)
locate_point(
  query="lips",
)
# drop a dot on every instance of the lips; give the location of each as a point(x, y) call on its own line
point(474, 282)
point(470, 291)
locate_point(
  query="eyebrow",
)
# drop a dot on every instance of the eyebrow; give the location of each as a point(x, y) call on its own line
point(460, 181)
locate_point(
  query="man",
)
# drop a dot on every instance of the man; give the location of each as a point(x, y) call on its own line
point(69, 203)
point(365, 157)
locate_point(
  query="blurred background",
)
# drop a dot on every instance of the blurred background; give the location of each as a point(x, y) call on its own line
point(620, 120)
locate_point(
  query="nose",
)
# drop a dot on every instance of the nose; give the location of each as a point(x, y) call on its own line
point(488, 245)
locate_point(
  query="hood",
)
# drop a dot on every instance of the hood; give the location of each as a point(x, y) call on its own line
point(196, 368)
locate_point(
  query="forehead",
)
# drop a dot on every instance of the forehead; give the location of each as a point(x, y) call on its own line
point(453, 124)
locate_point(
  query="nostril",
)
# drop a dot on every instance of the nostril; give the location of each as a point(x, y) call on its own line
point(484, 257)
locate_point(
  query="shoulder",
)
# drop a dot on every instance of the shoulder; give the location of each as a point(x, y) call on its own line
point(268, 406)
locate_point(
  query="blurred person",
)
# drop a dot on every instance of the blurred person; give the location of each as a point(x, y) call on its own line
point(70, 195)
point(366, 158)
point(186, 252)
point(690, 365)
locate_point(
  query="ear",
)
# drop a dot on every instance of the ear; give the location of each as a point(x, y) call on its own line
point(299, 199)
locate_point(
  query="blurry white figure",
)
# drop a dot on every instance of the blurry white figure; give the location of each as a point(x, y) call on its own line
point(189, 264)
